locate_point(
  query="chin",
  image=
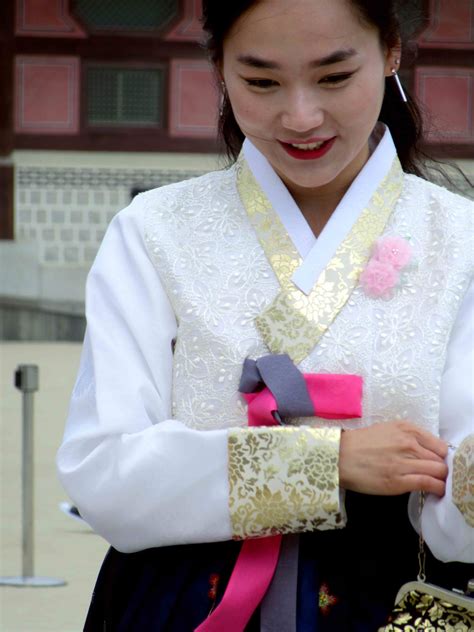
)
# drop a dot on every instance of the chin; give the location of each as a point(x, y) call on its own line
point(310, 180)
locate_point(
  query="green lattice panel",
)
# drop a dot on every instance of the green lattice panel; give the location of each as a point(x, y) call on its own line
point(124, 96)
point(130, 15)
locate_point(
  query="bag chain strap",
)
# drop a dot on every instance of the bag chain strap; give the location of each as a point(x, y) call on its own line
point(421, 545)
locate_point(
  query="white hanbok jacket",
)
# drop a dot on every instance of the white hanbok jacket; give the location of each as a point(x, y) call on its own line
point(194, 277)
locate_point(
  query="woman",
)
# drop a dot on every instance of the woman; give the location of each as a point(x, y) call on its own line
point(314, 244)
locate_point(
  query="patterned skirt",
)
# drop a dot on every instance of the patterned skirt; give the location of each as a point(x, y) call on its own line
point(347, 579)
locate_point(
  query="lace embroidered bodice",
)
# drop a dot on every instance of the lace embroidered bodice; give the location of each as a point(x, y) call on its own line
point(218, 280)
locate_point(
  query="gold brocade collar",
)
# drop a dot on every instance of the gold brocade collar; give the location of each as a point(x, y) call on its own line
point(295, 322)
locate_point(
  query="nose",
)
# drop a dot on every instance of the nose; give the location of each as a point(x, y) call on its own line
point(302, 111)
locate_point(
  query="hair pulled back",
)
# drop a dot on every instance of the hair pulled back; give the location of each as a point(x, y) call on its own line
point(403, 119)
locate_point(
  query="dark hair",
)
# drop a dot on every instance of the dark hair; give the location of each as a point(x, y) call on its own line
point(403, 119)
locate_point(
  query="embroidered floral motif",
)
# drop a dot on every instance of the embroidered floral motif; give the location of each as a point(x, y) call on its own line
point(326, 600)
point(395, 325)
point(283, 480)
point(463, 479)
point(382, 273)
point(212, 592)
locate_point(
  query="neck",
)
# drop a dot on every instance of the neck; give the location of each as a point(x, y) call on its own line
point(318, 204)
point(317, 209)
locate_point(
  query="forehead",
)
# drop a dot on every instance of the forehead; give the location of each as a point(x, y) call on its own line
point(293, 25)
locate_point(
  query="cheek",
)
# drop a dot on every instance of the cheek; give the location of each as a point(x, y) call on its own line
point(362, 105)
point(247, 114)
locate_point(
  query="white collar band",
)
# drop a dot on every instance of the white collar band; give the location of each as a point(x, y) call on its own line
point(316, 253)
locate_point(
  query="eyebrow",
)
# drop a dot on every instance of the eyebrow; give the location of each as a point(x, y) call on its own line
point(328, 60)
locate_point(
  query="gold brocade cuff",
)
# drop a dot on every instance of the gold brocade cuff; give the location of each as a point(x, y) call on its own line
point(463, 479)
point(283, 480)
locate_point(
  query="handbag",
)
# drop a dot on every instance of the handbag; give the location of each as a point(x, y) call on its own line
point(421, 606)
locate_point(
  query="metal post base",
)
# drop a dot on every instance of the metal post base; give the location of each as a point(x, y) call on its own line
point(31, 582)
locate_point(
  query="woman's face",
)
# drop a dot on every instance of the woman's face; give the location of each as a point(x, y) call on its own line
point(306, 81)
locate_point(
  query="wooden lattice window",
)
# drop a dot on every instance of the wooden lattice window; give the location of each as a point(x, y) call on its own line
point(124, 97)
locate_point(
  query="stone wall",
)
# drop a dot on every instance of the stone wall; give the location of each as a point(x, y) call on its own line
point(64, 202)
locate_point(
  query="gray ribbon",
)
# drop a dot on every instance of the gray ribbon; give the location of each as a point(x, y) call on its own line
point(278, 607)
point(288, 387)
point(283, 379)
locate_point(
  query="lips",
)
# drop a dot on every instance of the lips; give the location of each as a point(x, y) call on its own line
point(311, 149)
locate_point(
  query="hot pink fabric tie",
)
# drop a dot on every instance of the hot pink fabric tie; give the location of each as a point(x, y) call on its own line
point(333, 397)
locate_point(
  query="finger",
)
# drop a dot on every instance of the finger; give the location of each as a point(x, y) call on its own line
point(432, 443)
point(423, 483)
point(433, 469)
point(427, 455)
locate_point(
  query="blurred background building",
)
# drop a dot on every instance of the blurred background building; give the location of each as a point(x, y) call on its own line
point(102, 98)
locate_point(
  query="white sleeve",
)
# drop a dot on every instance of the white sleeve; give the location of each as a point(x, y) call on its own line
point(137, 482)
point(444, 528)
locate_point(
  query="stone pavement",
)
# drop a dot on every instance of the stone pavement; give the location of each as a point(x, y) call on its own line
point(64, 548)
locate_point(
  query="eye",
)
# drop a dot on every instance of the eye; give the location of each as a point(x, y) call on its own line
point(336, 79)
point(262, 84)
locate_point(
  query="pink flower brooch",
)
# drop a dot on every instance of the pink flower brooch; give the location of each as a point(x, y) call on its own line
point(382, 274)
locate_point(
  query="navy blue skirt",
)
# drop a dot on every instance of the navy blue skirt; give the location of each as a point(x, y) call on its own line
point(347, 579)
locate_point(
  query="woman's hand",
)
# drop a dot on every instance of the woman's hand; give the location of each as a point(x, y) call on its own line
point(392, 458)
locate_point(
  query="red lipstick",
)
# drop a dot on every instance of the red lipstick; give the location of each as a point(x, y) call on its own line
point(308, 154)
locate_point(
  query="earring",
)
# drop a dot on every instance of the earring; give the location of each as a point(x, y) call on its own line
point(398, 82)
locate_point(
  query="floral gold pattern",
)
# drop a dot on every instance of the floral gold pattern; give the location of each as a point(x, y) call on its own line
point(283, 480)
point(463, 479)
point(419, 611)
point(295, 322)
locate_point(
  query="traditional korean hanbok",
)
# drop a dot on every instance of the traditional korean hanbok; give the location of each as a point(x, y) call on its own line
point(192, 279)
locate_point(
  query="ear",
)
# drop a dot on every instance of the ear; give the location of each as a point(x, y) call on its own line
point(393, 58)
